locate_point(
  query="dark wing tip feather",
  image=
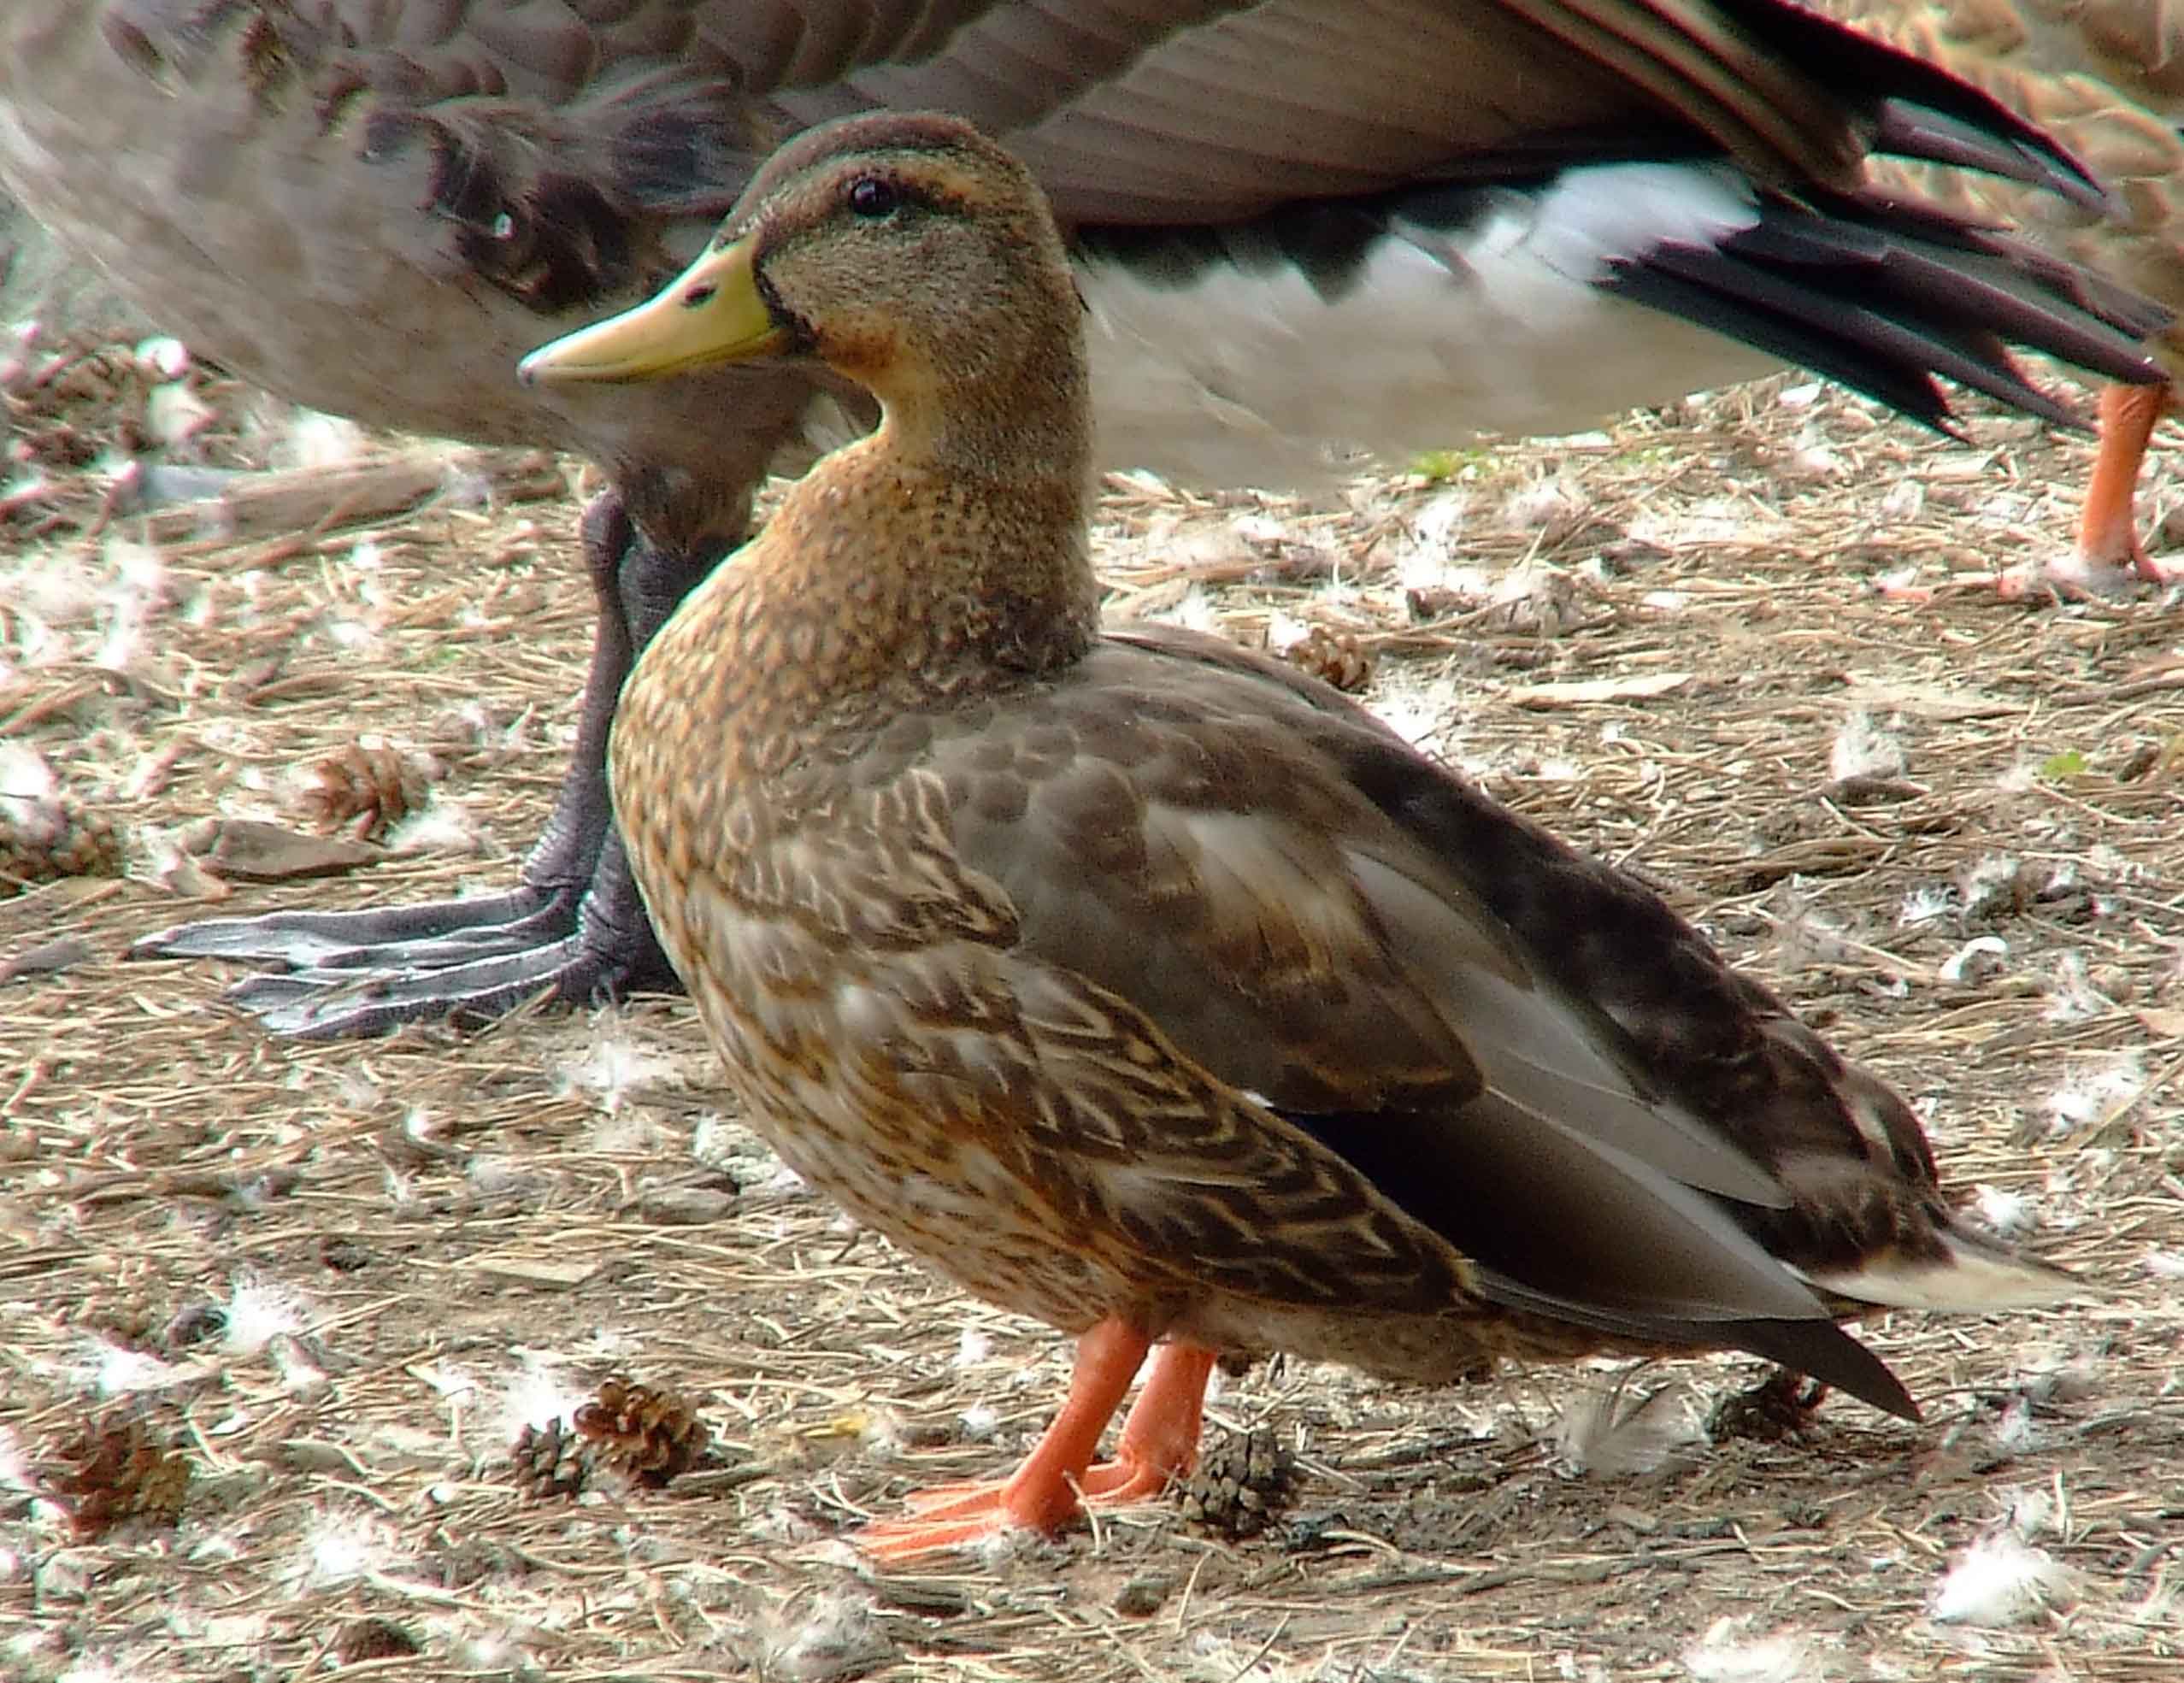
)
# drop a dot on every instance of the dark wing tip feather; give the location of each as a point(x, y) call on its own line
point(1921, 110)
point(1822, 1350)
point(1908, 129)
point(1885, 296)
point(1815, 1347)
point(1693, 287)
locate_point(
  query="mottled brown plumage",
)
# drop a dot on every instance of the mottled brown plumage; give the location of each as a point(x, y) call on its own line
point(1512, 215)
point(1145, 985)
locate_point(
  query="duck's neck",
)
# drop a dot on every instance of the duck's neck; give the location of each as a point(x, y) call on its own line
point(1020, 422)
point(951, 540)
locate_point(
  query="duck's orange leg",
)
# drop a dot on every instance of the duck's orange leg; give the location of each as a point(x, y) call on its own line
point(1159, 1442)
point(2109, 552)
point(2108, 527)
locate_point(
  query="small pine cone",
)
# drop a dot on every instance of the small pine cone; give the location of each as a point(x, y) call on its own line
point(59, 838)
point(1335, 658)
point(374, 1638)
point(366, 790)
point(1779, 1407)
point(113, 1472)
point(651, 1435)
point(1240, 1485)
point(552, 1464)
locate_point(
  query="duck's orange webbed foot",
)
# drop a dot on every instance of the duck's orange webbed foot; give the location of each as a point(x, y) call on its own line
point(1160, 1442)
point(2109, 549)
point(2109, 555)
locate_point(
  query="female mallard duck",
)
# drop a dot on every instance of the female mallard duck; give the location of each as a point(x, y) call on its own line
point(1142, 984)
point(1296, 224)
point(2106, 78)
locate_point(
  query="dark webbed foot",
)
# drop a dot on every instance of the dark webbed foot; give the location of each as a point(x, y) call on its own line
point(461, 961)
point(573, 928)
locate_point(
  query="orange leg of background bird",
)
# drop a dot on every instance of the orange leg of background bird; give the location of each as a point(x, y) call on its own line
point(2109, 550)
point(1159, 1442)
point(2108, 527)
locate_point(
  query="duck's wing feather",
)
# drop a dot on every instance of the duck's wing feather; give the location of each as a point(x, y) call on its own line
point(1139, 111)
point(1199, 861)
point(1694, 1028)
point(1253, 868)
point(1324, 917)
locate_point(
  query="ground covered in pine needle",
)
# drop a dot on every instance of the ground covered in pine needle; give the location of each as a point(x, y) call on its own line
point(515, 1352)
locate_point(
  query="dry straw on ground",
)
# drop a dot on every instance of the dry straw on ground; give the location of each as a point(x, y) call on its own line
point(341, 1280)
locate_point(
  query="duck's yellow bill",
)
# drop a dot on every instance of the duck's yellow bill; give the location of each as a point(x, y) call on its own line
point(712, 312)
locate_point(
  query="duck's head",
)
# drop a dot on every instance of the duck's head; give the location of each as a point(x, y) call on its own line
point(907, 252)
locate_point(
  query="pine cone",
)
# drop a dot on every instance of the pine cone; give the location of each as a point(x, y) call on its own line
point(374, 1638)
point(1779, 1407)
point(1335, 658)
point(1240, 1485)
point(116, 1472)
point(366, 790)
point(552, 1463)
point(651, 1435)
point(58, 839)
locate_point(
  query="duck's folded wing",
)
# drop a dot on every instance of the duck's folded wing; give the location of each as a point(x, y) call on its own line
point(1186, 851)
point(1867, 1219)
point(1167, 838)
point(1692, 1027)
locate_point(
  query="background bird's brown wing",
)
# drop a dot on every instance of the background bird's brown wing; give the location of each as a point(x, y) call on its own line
point(1150, 113)
point(463, 176)
point(1132, 111)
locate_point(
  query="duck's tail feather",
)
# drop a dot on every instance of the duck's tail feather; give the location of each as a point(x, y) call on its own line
point(1968, 1273)
point(1884, 295)
point(1824, 1352)
point(1814, 1347)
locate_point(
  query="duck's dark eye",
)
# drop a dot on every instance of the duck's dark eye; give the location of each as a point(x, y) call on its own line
point(873, 198)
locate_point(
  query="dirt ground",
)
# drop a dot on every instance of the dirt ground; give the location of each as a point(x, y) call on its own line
point(274, 1314)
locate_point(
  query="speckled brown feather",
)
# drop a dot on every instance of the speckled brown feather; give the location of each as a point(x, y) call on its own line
point(1139, 978)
